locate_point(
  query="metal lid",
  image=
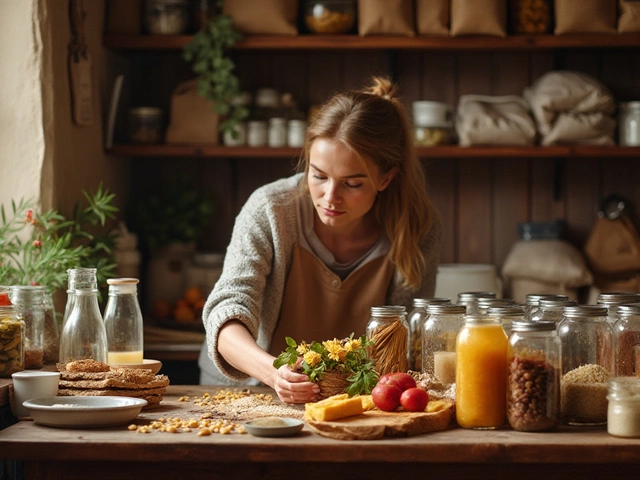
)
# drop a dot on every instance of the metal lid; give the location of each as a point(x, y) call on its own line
point(584, 311)
point(629, 105)
point(506, 311)
point(478, 318)
point(550, 304)
point(436, 309)
point(495, 302)
point(628, 309)
point(388, 310)
point(534, 298)
point(466, 296)
point(423, 302)
point(618, 298)
point(522, 326)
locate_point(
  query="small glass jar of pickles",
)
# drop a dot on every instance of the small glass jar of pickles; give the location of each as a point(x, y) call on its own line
point(11, 342)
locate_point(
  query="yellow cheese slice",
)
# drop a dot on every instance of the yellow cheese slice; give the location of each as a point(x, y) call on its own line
point(333, 408)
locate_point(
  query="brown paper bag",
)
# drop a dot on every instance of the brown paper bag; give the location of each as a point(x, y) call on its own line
point(479, 17)
point(272, 17)
point(613, 246)
point(432, 17)
point(192, 117)
point(629, 19)
point(585, 16)
point(385, 17)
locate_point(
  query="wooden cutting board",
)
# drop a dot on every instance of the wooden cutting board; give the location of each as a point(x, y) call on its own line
point(376, 424)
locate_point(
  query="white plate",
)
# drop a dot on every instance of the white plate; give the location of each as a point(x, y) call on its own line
point(84, 411)
point(291, 426)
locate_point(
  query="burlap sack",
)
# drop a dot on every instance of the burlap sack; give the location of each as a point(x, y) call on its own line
point(270, 17)
point(192, 117)
point(613, 246)
point(432, 17)
point(385, 17)
point(487, 120)
point(125, 17)
point(585, 16)
point(479, 17)
point(629, 19)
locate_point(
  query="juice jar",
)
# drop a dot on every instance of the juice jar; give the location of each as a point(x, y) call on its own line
point(481, 373)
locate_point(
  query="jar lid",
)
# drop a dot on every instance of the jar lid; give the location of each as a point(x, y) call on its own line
point(506, 311)
point(446, 309)
point(629, 105)
point(534, 298)
point(123, 281)
point(388, 310)
point(466, 296)
point(581, 311)
point(523, 326)
point(628, 309)
point(424, 302)
point(495, 302)
point(618, 298)
point(548, 303)
point(478, 318)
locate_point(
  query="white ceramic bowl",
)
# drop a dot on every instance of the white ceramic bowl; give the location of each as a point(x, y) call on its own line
point(147, 364)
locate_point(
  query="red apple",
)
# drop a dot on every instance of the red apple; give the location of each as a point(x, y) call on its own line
point(401, 380)
point(386, 397)
point(414, 400)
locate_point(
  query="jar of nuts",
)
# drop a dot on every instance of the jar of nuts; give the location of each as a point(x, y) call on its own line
point(533, 389)
point(330, 16)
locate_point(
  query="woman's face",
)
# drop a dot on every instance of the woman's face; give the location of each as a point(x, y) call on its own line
point(341, 188)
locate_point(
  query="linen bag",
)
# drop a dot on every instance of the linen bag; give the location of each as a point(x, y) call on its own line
point(629, 19)
point(585, 16)
point(613, 246)
point(192, 118)
point(432, 17)
point(479, 17)
point(385, 17)
point(487, 120)
point(272, 17)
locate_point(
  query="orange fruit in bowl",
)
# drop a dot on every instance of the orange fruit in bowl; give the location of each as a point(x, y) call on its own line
point(161, 309)
point(192, 295)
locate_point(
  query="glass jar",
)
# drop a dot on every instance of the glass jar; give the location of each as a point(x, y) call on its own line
point(432, 136)
point(627, 336)
point(256, 133)
point(416, 323)
point(629, 124)
point(11, 341)
point(470, 300)
point(277, 136)
point(623, 411)
point(166, 17)
point(51, 340)
point(532, 301)
point(296, 131)
point(145, 125)
point(530, 16)
point(611, 300)
point(83, 333)
point(587, 364)
point(439, 334)
point(330, 16)
point(533, 389)
point(29, 306)
point(388, 330)
point(507, 315)
point(123, 322)
point(550, 310)
point(481, 373)
point(483, 304)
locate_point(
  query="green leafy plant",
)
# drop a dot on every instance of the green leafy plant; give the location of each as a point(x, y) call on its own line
point(37, 248)
point(348, 356)
point(215, 69)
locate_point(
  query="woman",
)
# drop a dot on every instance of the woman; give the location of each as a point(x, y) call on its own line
point(311, 254)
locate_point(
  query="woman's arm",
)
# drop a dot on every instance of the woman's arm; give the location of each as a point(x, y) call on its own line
point(239, 349)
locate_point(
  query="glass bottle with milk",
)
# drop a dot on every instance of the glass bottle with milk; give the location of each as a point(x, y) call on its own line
point(123, 322)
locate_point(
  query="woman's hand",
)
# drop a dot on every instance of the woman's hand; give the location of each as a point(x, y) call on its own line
point(293, 387)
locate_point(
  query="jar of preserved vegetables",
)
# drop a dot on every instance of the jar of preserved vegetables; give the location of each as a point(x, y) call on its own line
point(28, 302)
point(389, 332)
point(439, 334)
point(416, 322)
point(533, 389)
point(11, 341)
point(626, 337)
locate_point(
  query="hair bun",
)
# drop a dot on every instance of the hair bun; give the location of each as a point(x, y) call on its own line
point(382, 87)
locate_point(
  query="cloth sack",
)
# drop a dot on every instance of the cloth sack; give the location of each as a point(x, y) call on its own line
point(572, 107)
point(613, 246)
point(479, 17)
point(585, 16)
point(385, 17)
point(518, 288)
point(193, 119)
point(432, 17)
point(486, 120)
point(629, 19)
point(272, 17)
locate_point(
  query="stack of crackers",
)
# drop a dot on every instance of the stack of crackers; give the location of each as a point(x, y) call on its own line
point(92, 378)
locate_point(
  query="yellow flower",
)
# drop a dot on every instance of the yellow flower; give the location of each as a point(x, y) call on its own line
point(312, 358)
point(336, 351)
point(302, 348)
point(353, 344)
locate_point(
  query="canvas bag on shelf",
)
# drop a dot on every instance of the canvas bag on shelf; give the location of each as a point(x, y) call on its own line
point(432, 17)
point(488, 120)
point(385, 17)
point(192, 117)
point(273, 17)
point(613, 246)
point(479, 17)
point(585, 16)
point(629, 19)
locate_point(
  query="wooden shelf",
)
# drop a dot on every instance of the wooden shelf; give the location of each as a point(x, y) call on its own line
point(448, 151)
point(355, 42)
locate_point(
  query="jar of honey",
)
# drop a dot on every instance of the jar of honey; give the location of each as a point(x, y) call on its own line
point(481, 373)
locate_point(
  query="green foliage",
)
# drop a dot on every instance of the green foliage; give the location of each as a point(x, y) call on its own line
point(347, 355)
point(216, 79)
point(37, 248)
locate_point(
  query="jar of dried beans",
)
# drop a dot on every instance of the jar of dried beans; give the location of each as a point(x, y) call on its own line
point(11, 342)
point(389, 332)
point(29, 305)
point(439, 341)
point(416, 323)
point(533, 387)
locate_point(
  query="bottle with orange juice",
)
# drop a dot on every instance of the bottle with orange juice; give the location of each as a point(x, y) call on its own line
point(481, 373)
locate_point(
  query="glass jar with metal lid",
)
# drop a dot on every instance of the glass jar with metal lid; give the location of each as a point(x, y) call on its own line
point(623, 413)
point(629, 124)
point(506, 315)
point(611, 300)
point(626, 333)
point(551, 309)
point(484, 304)
point(533, 300)
point(439, 334)
point(416, 322)
point(389, 332)
point(28, 302)
point(470, 300)
point(11, 341)
point(533, 387)
point(587, 364)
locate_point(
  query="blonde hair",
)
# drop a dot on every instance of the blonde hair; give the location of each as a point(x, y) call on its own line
point(373, 124)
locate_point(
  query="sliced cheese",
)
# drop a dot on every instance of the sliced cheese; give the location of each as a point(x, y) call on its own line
point(367, 402)
point(333, 408)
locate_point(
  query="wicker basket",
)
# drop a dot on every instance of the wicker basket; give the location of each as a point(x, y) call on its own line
point(332, 383)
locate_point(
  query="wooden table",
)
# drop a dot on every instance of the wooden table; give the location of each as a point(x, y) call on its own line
point(115, 452)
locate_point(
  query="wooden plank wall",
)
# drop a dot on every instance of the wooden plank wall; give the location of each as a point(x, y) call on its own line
point(480, 200)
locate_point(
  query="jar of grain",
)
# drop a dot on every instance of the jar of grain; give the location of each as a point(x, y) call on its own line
point(532, 302)
point(28, 302)
point(416, 323)
point(611, 300)
point(481, 373)
point(627, 337)
point(470, 300)
point(550, 310)
point(439, 334)
point(506, 315)
point(389, 332)
point(623, 413)
point(11, 341)
point(587, 363)
point(533, 389)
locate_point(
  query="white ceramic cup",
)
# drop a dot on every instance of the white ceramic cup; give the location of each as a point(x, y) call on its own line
point(30, 384)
